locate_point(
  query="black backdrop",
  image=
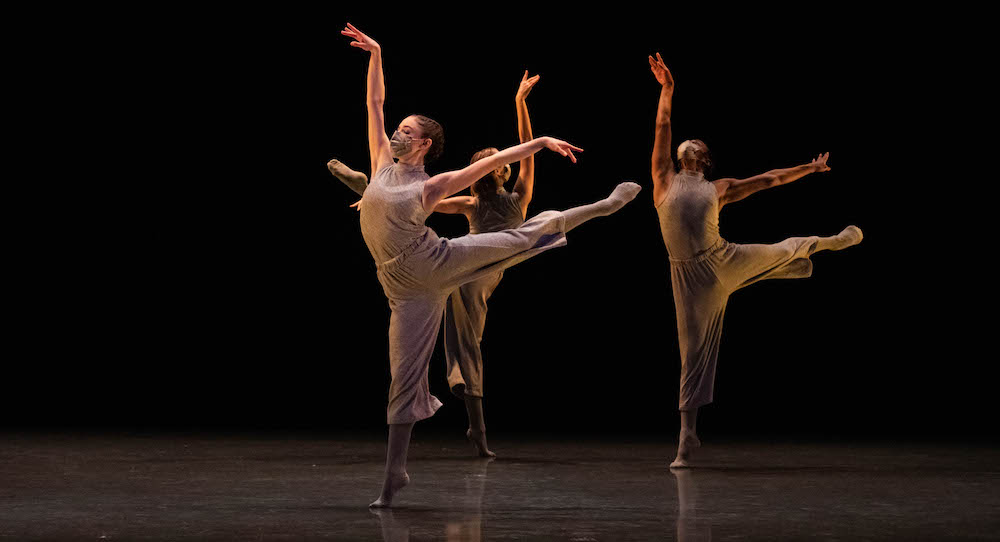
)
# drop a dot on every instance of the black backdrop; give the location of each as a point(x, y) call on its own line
point(214, 277)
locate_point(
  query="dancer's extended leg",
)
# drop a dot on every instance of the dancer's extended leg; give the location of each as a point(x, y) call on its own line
point(395, 464)
point(472, 257)
point(355, 180)
point(687, 440)
point(849, 237)
point(622, 194)
point(743, 265)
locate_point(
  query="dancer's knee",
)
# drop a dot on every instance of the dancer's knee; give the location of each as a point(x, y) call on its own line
point(801, 268)
point(462, 391)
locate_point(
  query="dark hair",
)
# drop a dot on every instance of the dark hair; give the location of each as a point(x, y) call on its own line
point(487, 184)
point(435, 132)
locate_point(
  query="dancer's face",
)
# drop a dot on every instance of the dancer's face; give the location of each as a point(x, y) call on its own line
point(408, 138)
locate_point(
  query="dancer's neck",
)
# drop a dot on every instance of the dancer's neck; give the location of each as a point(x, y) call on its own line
point(412, 161)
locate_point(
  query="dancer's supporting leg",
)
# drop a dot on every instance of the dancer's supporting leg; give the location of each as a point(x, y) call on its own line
point(687, 439)
point(464, 323)
point(413, 329)
point(395, 464)
point(477, 425)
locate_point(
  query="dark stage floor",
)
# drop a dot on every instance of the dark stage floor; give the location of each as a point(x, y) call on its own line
point(168, 487)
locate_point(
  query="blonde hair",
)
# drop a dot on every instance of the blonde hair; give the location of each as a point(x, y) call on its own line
point(695, 150)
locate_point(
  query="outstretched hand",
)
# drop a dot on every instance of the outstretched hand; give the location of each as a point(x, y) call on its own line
point(357, 205)
point(525, 88)
point(562, 148)
point(361, 41)
point(819, 164)
point(661, 72)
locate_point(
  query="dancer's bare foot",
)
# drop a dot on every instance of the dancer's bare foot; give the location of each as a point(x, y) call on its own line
point(393, 483)
point(686, 443)
point(478, 440)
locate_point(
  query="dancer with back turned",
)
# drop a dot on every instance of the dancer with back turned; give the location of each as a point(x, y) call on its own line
point(489, 208)
point(705, 269)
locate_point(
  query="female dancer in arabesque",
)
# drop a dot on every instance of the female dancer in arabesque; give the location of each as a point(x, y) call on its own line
point(704, 268)
point(490, 208)
point(417, 269)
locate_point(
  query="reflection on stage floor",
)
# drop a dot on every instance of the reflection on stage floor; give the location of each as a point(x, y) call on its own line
point(157, 486)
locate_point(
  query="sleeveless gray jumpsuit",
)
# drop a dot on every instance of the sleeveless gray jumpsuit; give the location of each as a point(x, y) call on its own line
point(705, 270)
point(418, 270)
point(465, 315)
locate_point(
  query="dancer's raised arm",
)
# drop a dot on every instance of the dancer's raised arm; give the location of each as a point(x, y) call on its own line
point(525, 185)
point(378, 142)
point(731, 190)
point(445, 184)
point(663, 164)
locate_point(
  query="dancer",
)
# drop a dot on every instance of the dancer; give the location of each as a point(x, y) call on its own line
point(417, 269)
point(490, 208)
point(704, 268)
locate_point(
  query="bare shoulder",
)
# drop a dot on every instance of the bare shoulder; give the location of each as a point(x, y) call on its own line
point(722, 186)
point(660, 188)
